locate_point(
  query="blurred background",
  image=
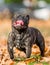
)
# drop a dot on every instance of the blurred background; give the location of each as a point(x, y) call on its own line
point(39, 11)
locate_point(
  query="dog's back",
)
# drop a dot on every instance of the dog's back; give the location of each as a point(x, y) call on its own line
point(35, 34)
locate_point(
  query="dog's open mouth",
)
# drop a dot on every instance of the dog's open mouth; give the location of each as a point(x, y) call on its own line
point(18, 23)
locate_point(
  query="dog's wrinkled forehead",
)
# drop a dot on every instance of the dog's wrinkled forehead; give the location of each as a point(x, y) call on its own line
point(21, 17)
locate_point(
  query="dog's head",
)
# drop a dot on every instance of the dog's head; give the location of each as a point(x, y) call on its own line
point(20, 22)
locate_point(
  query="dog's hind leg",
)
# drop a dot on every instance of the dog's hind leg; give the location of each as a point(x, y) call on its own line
point(41, 43)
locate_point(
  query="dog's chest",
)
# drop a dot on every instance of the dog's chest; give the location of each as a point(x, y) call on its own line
point(19, 42)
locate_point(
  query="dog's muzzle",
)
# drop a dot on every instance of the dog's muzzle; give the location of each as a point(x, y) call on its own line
point(18, 23)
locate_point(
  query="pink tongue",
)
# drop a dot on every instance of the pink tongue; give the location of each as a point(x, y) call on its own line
point(20, 22)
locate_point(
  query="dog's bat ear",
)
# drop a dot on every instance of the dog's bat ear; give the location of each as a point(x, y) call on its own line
point(28, 17)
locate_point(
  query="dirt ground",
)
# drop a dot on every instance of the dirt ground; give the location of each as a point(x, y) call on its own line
point(5, 28)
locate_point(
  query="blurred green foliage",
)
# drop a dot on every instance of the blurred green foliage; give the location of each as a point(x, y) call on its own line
point(48, 1)
point(13, 1)
point(20, 1)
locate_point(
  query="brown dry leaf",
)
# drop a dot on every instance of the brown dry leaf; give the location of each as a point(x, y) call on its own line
point(12, 63)
point(35, 50)
point(19, 53)
point(46, 59)
point(9, 62)
point(47, 52)
point(38, 64)
point(29, 60)
point(46, 48)
point(21, 63)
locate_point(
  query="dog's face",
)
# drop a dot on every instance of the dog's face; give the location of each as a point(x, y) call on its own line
point(20, 22)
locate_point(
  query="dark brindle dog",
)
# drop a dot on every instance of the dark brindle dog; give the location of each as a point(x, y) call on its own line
point(23, 37)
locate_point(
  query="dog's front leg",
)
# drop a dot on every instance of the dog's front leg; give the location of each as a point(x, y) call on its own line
point(10, 45)
point(28, 47)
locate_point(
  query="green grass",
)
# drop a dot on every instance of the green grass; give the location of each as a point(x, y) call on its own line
point(44, 63)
